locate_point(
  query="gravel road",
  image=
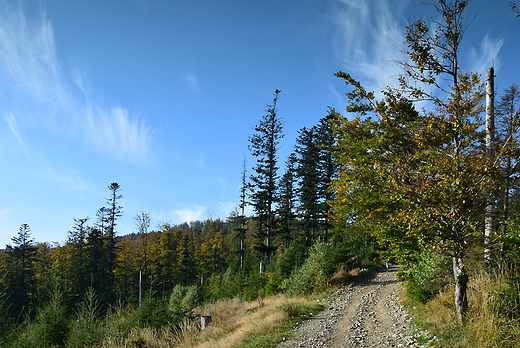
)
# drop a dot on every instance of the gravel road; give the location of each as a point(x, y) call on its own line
point(365, 313)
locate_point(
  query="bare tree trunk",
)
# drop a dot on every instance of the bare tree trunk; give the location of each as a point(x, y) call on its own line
point(489, 223)
point(461, 286)
point(241, 253)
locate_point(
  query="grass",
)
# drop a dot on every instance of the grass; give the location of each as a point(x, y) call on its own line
point(237, 323)
point(341, 276)
point(483, 327)
point(256, 324)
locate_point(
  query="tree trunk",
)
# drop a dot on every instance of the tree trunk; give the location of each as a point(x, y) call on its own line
point(489, 223)
point(461, 286)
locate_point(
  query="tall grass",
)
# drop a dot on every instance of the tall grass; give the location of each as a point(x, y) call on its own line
point(485, 325)
point(236, 322)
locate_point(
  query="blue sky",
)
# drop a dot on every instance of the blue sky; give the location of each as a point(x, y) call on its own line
point(161, 96)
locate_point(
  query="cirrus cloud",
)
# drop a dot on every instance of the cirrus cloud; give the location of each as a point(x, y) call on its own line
point(29, 65)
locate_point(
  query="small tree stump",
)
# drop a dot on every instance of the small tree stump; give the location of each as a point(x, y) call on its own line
point(204, 321)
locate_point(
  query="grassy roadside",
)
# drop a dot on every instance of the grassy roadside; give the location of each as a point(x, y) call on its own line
point(259, 324)
point(237, 323)
point(484, 326)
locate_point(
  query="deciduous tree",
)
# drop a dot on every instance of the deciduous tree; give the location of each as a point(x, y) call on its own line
point(429, 168)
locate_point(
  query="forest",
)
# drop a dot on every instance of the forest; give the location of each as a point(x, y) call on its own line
point(433, 189)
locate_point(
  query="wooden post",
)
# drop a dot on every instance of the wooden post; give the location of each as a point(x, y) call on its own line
point(489, 217)
point(204, 321)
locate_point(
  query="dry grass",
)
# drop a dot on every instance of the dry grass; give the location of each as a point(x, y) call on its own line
point(341, 276)
point(233, 321)
point(483, 327)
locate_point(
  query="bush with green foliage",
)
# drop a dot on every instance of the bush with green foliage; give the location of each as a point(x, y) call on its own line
point(119, 322)
point(87, 330)
point(184, 299)
point(50, 327)
point(7, 325)
point(425, 275)
point(221, 286)
point(312, 276)
point(154, 313)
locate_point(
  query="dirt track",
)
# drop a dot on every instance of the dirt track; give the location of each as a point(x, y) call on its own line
point(362, 314)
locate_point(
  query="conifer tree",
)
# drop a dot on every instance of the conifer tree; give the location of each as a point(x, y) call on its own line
point(185, 262)
point(508, 138)
point(326, 168)
point(238, 218)
point(21, 282)
point(96, 262)
point(288, 201)
point(264, 145)
point(113, 212)
point(308, 178)
point(77, 267)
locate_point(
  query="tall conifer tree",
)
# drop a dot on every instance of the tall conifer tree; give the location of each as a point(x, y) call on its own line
point(113, 212)
point(21, 272)
point(287, 201)
point(308, 176)
point(264, 145)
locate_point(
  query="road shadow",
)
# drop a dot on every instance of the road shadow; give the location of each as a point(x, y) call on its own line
point(369, 276)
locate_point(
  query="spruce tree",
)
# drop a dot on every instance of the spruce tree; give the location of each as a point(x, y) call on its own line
point(238, 219)
point(326, 169)
point(21, 279)
point(308, 177)
point(288, 199)
point(77, 268)
point(113, 213)
point(264, 146)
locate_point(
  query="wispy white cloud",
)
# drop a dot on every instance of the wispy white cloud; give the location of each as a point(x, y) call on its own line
point(192, 81)
point(28, 53)
point(65, 176)
point(368, 37)
point(226, 208)
point(29, 64)
point(127, 137)
point(189, 214)
point(13, 126)
point(486, 55)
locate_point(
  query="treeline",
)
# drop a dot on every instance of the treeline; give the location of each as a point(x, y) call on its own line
point(155, 277)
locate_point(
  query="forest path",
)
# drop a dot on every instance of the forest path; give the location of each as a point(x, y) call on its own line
point(365, 313)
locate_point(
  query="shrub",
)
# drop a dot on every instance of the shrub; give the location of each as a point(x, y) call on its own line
point(424, 275)
point(300, 311)
point(184, 299)
point(222, 286)
point(120, 322)
point(87, 329)
point(154, 313)
point(50, 326)
point(312, 276)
